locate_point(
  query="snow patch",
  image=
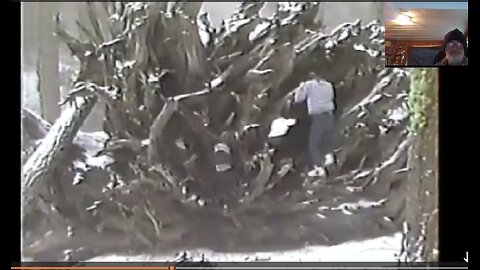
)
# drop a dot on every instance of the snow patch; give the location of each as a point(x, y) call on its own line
point(78, 178)
point(329, 44)
point(114, 17)
point(341, 27)
point(290, 6)
point(359, 47)
point(362, 48)
point(234, 25)
point(260, 72)
point(99, 162)
point(376, 98)
point(152, 78)
point(361, 204)
point(216, 82)
point(381, 249)
point(288, 20)
point(374, 35)
point(398, 114)
point(91, 141)
point(247, 127)
point(344, 35)
point(362, 174)
point(370, 204)
point(127, 64)
point(259, 31)
point(80, 165)
point(136, 6)
point(204, 28)
point(145, 142)
point(179, 143)
point(101, 135)
point(204, 36)
point(280, 126)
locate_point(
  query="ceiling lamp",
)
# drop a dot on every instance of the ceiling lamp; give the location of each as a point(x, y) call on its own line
point(404, 19)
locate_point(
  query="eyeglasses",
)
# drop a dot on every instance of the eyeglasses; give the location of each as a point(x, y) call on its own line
point(454, 44)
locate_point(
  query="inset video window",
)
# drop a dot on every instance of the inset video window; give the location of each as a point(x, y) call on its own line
point(426, 33)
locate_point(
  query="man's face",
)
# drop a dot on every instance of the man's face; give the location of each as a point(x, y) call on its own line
point(454, 51)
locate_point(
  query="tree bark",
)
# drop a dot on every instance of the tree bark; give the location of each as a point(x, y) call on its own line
point(49, 152)
point(422, 187)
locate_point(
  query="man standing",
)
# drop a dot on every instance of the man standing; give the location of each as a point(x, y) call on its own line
point(454, 50)
point(320, 103)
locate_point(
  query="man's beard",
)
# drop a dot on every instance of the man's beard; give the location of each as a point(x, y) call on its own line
point(456, 60)
point(455, 57)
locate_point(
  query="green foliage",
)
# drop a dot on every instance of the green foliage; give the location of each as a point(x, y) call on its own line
point(422, 83)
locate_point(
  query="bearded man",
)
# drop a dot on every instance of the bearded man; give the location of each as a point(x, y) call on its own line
point(454, 50)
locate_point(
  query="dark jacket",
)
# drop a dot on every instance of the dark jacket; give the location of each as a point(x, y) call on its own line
point(444, 62)
point(452, 35)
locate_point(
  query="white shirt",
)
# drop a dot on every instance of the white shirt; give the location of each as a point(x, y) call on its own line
point(319, 95)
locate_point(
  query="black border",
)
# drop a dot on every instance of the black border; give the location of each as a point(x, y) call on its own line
point(11, 22)
point(453, 162)
point(455, 136)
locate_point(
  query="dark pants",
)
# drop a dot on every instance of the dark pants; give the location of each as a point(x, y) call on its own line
point(321, 138)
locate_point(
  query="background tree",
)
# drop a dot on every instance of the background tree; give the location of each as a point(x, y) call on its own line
point(47, 65)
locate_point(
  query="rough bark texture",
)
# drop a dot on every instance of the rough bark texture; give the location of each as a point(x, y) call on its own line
point(422, 187)
point(188, 146)
point(49, 153)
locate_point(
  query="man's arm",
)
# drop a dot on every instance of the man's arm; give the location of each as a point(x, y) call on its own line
point(300, 93)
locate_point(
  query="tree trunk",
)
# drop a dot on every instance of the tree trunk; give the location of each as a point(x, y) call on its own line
point(30, 34)
point(422, 186)
point(380, 6)
point(48, 63)
point(48, 154)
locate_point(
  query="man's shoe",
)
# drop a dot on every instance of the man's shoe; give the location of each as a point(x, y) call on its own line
point(317, 172)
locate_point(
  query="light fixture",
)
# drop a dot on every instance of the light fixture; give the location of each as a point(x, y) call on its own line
point(404, 18)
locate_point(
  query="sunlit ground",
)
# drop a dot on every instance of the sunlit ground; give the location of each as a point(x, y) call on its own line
point(382, 249)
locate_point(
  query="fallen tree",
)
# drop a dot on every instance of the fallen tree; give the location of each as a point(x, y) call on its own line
point(188, 114)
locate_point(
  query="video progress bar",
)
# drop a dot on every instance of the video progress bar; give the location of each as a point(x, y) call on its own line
point(171, 267)
point(323, 267)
